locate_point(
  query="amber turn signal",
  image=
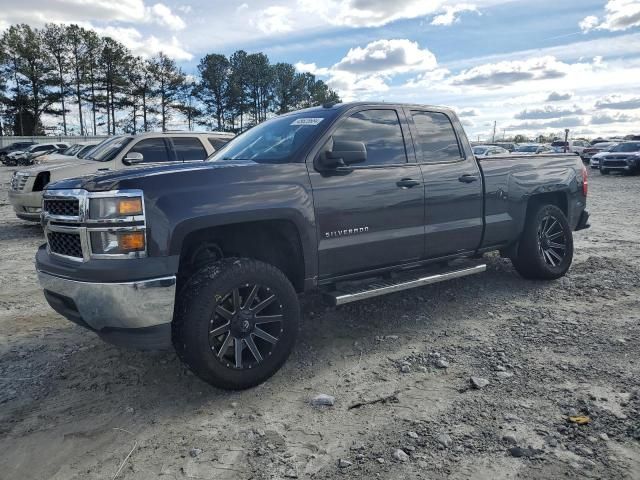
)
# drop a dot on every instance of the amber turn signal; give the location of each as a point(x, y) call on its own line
point(131, 241)
point(130, 206)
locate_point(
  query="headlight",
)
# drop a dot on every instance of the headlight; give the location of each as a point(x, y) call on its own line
point(114, 208)
point(117, 242)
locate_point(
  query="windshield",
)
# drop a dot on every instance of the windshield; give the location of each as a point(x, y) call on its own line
point(274, 141)
point(72, 150)
point(479, 150)
point(528, 149)
point(560, 144)
point(108, 149)
point(627, 147)
point(84, 151)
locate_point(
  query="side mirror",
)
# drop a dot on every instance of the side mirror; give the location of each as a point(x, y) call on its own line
point(133, 158)
point(343, 154)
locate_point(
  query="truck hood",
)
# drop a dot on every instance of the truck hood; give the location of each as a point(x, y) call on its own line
point(54, 165)
point(104, 181)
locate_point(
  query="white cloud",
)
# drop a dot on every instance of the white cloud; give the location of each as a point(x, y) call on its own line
point(388, 56)
point(547, 112)
point(365, 70)
point(311, 68)
point(273, 20)
point(618, 15)
point(145, 46)
point(559, 96)
point(163, 15)
point(450, 15)
point(606, 118)
point(470, 112)
point(39, 12)
point(589, 23)
point(619, 102)
point(494, 75)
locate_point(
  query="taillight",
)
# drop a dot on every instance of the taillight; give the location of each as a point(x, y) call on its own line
point(585, 181)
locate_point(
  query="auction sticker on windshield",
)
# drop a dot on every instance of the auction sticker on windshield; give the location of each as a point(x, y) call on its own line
point(307, 121)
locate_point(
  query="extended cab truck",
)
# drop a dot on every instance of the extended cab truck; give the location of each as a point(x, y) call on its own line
point(210, 257)
point(114, 153)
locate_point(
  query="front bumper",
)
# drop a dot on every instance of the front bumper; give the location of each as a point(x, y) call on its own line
point(137, 313)
point(27, 205)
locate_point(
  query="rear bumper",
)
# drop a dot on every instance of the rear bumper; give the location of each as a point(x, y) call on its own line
point(136, 314)
point(583, 221)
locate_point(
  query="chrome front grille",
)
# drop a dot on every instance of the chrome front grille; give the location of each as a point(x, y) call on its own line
point(67, 244)
point(68, 207)
point(19, 180)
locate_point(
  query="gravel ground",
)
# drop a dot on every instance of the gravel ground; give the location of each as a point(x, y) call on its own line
point(399, 367)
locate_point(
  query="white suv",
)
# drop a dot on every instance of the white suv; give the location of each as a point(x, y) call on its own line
point(572, 146)
point(114, 153)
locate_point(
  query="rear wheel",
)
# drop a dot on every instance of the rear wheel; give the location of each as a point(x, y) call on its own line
point(236, 322)
point(546, 246)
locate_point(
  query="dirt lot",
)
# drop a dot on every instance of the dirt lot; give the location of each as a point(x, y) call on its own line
point(72, 407)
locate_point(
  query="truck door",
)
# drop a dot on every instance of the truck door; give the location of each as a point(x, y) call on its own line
point(371, 214)
point(452, 185)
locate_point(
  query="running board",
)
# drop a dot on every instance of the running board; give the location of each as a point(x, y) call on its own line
point(375, 289)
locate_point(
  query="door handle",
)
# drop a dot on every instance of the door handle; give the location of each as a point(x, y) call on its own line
point(467, 178)
point(408, 183)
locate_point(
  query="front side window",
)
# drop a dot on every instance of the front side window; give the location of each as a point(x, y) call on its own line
point(152, 149)
point(189, 149)
point(380, 132)
point(436, 138)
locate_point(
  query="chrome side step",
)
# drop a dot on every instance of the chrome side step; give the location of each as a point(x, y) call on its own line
point(348, 295)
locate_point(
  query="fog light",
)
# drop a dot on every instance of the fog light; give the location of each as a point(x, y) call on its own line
point(32, 209)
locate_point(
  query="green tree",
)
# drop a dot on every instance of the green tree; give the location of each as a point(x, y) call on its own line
point(287, 87)
point(55, 41)
point(214, 72)
point(169, 80)
point(35, 75)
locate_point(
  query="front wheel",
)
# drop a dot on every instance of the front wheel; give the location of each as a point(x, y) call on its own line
point(604, 171)
point(236, 322)
point(545, 251)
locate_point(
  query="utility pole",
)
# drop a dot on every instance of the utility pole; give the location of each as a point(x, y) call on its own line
point(493, 137)
point(504, 134)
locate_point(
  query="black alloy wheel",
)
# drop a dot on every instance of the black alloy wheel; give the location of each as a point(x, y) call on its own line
point(246, 326)
point(551, 241)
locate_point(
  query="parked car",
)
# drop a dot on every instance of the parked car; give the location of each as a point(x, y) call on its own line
point(211, 256)
point(624, 157)
point(594, 162)
point(77, 150)
point(570, 146)
point(26, 157)
point(489, 150)
point(533, 149)
point(115, 153)
point(511, 147)
point(12, 148)
point(589, 152)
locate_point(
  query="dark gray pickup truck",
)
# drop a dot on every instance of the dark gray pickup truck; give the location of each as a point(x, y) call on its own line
point(355, 200)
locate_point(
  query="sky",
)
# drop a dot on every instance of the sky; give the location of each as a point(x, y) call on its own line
point(529, 66)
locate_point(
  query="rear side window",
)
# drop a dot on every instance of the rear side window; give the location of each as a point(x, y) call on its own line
point(380, 131)
point(42, 148)
point(437, 141)
point(189, 148)
point(218, 143)
point(152, 149)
